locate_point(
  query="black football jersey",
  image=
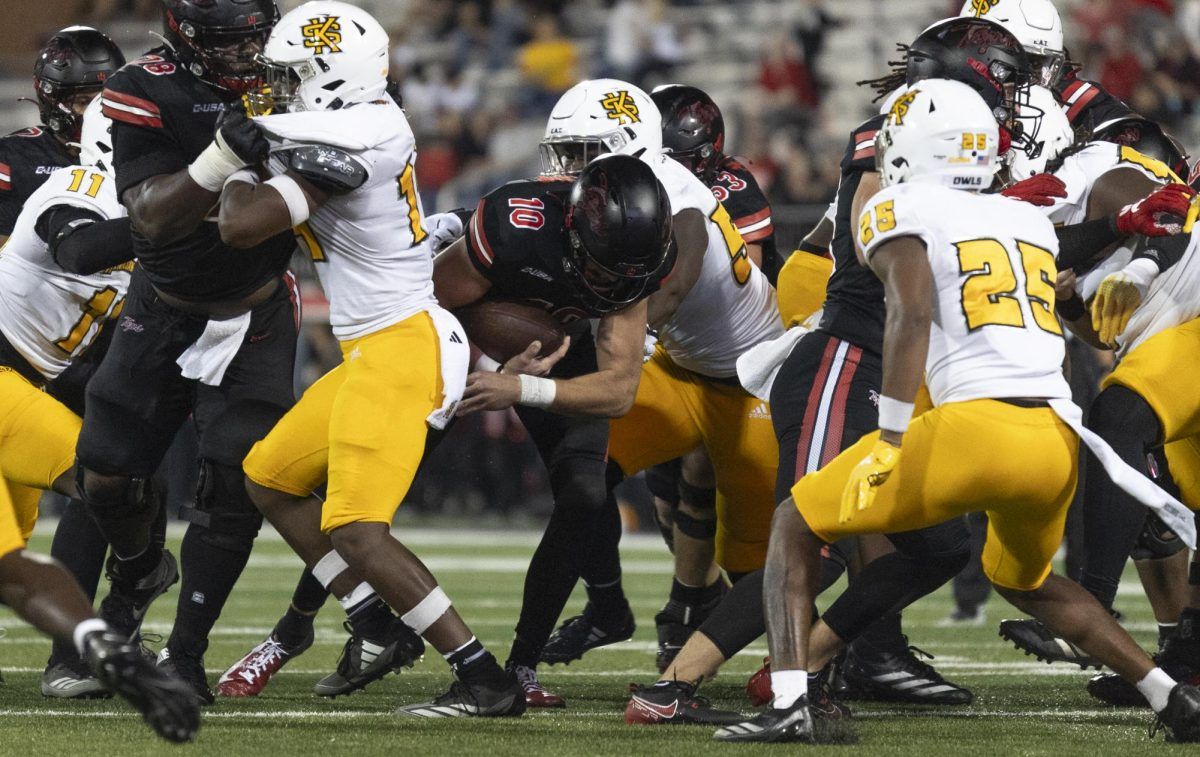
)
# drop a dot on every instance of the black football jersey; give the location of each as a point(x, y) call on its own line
point(27, 158)
point(1088, 103)
point(163, 117)
point(854, 308)
point(735, 188)
point(517, 240)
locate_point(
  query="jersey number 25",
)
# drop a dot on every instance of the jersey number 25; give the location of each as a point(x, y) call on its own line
point(989, 293)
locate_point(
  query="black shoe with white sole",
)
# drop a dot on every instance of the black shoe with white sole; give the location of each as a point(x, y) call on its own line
point(583, 633)
point(472, 700)
point(1033, 638)
point(166, 702)
point(773, 726)
point(898, 675)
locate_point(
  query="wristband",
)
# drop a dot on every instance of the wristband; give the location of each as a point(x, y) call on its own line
point(1141, 272)
point(486, 364)
point(293, 196)
point(536, 391)
point(212, 167)
point(1072, 309)
point(894, 415)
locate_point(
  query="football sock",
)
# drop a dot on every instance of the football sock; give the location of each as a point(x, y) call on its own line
point(292, 629)
point(609, 603)
point(1189, 625)
point(884, 633)
point(788, 686)
point(370, 618)
point(548, 584)
point(79, 545)
point(309, 595)
point(696, 595)
point(133, 569)
point(1113, 520)
point(85, 629)
point(209, 574)
point(1165, 632)
point(472, 663)
point(1156, 687)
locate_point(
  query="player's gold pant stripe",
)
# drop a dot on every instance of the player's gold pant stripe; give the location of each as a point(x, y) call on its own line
point(361, 427)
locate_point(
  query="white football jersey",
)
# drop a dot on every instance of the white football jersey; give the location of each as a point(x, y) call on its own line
point(1172, 299)
point(49, 315)
point(732, 306)
point(369, 245)
point(1081, 171)
point(994, 332)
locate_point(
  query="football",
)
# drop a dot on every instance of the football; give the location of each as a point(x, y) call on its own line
point(504, 328)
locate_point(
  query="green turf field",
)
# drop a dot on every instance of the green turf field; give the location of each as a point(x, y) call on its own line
point(1022, 707)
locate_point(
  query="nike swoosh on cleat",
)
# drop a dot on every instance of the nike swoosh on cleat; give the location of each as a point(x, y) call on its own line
point(662, 711)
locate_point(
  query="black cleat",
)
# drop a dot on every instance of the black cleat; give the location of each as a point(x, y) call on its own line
point(675, 623)
point(190, 670)
point(897, 675)
point(581, 634)
point(773, 726)
point(167, 704)
point(1179, 659)
point(1181, 717)
point(127, 601)
point(466, 700)
point(1033, 638)
point(365, 661)
point(70, 678)
point(674, 702)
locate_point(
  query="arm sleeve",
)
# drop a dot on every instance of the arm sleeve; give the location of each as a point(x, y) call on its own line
point(81, 242)
point(1080, 242)
point(142, 146)
point(1163, 251)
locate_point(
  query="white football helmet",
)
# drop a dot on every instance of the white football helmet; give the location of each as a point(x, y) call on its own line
point(95, 139)
point(1054, 135)
point(939, 131)
point(1036, 24)
point(599, 116)
point(325, 55)
point(891, 99)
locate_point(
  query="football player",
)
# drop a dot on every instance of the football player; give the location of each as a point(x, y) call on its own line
point(64, 273)
point(991, 362)
point(597, 247)
point(207, 330)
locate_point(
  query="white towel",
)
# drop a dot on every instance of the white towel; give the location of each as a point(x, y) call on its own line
point(456, 359)
point(758, 366)
point(1172, 512)
point(212, 353)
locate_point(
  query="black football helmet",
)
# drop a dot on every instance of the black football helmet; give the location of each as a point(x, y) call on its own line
point(72, 66)
point(219, 40)
point(618, 224)
point(1146, 137)
point(693, 129)
point(991, 60)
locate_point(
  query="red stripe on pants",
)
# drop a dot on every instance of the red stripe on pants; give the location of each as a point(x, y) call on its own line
point(810, 410)
point(837, 412)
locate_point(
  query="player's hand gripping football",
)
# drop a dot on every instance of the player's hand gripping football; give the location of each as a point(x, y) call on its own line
point(867, 477)
point(1160, 213)
point(1118, 296)
point(487, 390)
point(1039, 189)
point(530, 364)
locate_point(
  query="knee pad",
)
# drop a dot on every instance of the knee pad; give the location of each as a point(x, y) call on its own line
point(118, 497)
point(702, 501)
point(223, 508)
point(228, 437)
point(1120, 413)
point(1156, 541)
point(663, 481)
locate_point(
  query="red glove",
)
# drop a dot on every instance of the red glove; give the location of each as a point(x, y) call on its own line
point(1039, 189)
point(1159, 214)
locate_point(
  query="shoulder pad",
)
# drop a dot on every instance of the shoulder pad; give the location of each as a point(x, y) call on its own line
point(328, 168)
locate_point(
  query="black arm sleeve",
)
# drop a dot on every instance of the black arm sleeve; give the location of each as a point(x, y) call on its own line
point(1164, 251)
point(82, 242)
point(1080, 242)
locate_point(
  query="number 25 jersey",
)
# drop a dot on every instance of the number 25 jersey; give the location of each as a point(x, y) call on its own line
point(49, 315)
point(994, 332)
point(367, 244)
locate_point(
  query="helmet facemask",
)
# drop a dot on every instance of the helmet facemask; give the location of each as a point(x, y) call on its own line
point(226, 59)
point(567, 155)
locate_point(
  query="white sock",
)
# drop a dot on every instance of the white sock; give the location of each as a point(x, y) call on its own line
point(361, 592)
point(788, 686)
point(1156, 687)
point(85, 629)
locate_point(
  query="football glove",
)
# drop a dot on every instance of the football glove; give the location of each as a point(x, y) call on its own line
point(241, 136)
point(1039, 189)
point(1160, 213)
point(1118, 296)
point(444, 228)
point(867, 477)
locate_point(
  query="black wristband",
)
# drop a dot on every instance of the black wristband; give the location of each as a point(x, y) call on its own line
point(1072, 309)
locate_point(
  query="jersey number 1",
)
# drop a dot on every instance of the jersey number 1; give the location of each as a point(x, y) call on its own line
point(989, 293)
point(77, 177)
point(739, 261)
point(103, 303)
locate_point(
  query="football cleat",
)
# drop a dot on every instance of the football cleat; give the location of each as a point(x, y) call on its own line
point(365, 661)
point(127, 602)
point(674, 702)
point(1033, 638)
point(675, 623)
point(167, 704)
point(465, 700)
point(249, 676)
point(71, 679)
point(897, 675)
point(822, 704)
point(1181, 717)
point(773, 725)
point(580, 634)
point(536, 695)
point(1178, 659)
point(190, 670)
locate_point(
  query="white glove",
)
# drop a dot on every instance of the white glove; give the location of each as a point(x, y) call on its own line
point(443, 229)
